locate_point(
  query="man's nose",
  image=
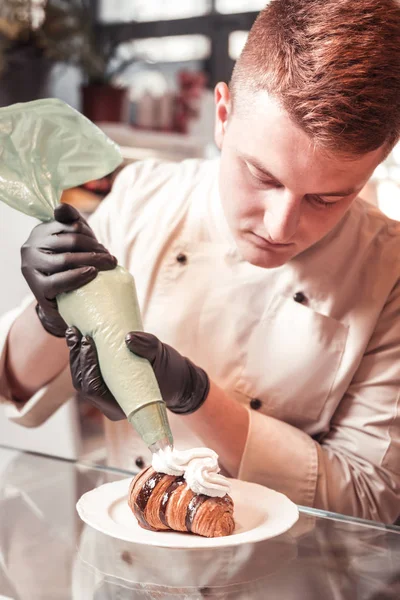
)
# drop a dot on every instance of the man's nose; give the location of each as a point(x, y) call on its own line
point(282, 215)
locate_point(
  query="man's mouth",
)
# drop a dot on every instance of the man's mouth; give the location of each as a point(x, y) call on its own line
point(263, 242)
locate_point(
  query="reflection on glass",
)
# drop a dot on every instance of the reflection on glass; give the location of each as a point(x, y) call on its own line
point(48, 553)
point(237, 40)
point(237, 6)
point(174, 48)
point(179, 574)
point(151, 10)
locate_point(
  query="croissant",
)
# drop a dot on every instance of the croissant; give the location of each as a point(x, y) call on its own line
point(164, 502)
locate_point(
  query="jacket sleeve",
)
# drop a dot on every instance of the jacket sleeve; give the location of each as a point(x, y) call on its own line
point(354, 468)
point(45, 401)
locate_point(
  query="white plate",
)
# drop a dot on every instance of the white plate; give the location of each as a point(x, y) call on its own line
point(260, 513)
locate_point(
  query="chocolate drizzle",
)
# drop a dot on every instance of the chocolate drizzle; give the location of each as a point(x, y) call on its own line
point(144, 496)
point(192, 509)
point(166, 496)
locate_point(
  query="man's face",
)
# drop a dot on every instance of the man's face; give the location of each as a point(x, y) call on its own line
point(280, 195)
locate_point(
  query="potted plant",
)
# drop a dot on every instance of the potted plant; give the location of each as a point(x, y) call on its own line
point(68, 33)
point(24, 67)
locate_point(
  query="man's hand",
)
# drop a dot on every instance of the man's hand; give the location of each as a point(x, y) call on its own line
point(184, 387)
point(58, 257)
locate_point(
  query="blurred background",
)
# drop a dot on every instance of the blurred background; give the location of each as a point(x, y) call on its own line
point(144, 71)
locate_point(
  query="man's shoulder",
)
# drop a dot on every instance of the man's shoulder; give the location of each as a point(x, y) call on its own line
point(154, 181)
point(369, 241)
point(372, 224)
point(374, 215)
point(364, 246)
point(152, 197)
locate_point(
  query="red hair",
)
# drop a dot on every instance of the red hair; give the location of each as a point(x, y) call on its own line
point(334, 66)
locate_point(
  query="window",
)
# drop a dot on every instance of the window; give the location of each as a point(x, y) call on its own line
point(199, 34)
point(37, 13)
point(237, 40)
point(386, 179)
point(114, 11)
point(151, 10)
point(158, 10)
point(237, 6)
point(174, 48)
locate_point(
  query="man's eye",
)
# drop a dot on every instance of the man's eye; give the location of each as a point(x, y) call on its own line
point(263, 181)
point(317, 200)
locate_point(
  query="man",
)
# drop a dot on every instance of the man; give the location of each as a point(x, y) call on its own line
point(264, 268)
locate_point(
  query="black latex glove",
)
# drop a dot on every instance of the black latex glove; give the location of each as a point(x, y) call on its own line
point(184, 387)
point(61, 256)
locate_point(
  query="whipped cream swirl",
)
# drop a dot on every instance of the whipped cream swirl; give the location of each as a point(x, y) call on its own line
point(199, 466)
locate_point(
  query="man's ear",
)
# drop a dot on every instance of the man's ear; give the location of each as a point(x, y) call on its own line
point(222, 110)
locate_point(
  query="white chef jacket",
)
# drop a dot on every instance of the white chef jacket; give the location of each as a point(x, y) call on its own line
point(327, 369)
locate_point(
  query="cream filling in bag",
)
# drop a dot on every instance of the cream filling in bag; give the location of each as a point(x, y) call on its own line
point(45, 148)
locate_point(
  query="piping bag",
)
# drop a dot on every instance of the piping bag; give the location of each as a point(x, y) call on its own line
point(45, 147)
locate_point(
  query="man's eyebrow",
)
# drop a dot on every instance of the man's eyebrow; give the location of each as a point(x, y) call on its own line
point(267, 173)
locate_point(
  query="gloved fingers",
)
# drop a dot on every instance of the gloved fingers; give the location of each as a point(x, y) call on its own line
point(73, 338)
point(86, 375)
point(143, 344)
point(110, 409)
point(55, 227)
point(80, 226)
point(65, 213)
point(66, 281)
point(92, 381)
point(69, 242)
point(68, 215)
point(57, 263)
point(93, 384)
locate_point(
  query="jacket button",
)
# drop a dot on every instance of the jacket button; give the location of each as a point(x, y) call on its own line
point(181, 258)
point(126, 557)
point(139, 462)
point(299, 297)
point(255, 404)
